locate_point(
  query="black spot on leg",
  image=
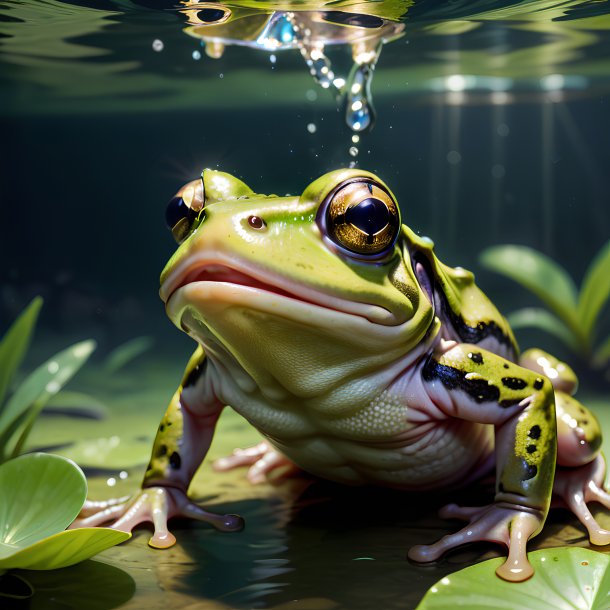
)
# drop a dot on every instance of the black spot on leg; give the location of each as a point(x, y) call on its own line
point(479, 390)
point(531, 448)
point(538, 383)
point(161, 428)
point(175, 461)
point(506, 366)
point(162, 450)
point(509, 402)
point(195, 374)
point(476, 357)
point(530, 472)
point(514, 383)
point(535, 432)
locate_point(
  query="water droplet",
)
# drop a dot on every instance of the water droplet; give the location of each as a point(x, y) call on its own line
point(196, 55)
point(319, 65)
point(111, 482)
point(157, 45)
point(359, 113)
point(454, 157)
point(353, 151)
point(123, 474)
point(311, 128)
point(53, 367)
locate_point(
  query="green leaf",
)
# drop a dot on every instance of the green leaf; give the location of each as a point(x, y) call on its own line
point(41, 495)
point(41, 384)
point(126, 352)
point(15, 343)
point(64, 549)
point(532, 317)
point(541, 276)
point(567, 578)
point(595, 290)
point(76, 404)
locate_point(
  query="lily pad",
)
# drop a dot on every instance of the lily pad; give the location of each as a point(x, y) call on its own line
point(42, 494)
point(568, 578)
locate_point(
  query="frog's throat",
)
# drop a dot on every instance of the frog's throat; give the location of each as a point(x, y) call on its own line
point(208, 278)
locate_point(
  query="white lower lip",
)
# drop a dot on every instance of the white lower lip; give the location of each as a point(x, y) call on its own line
point(212, 299)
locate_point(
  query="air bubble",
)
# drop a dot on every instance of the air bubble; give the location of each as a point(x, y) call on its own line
point(311, 128)
point(196, 55)
point(157, 45)
point(353, 151)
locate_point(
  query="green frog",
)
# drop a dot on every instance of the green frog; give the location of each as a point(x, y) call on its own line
point(335, 330)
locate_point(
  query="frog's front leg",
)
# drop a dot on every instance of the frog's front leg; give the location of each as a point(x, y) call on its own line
point(470, 383)
point(183, 439)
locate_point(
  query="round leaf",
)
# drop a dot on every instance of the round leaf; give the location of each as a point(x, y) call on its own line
point(568, 578)
point(64, 549)
point(41, 495)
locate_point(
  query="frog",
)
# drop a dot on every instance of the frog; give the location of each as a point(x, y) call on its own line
point(335, 330)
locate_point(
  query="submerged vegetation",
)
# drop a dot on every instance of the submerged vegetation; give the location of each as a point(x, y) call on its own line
point(571, 315)
point(18, 412)
point(41, 493)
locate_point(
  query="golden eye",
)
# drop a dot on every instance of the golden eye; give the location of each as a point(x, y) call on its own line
point(205, 13)
point(184, 209)
point(362, 217)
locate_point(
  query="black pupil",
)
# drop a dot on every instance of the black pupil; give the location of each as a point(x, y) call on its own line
point(177, 210)
point(210, 15)
point(353, 19)
point(370, 216)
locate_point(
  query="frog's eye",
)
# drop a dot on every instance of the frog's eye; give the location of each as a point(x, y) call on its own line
point(207, 13)
point(184, 209)
point(362, 217)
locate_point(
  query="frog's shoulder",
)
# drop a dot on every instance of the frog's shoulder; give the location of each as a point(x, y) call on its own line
point(461, 303)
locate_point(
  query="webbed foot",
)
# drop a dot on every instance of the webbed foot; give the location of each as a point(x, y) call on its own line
point(574, 488)
point(501, 523)
point(155, 505)
point(262, 460)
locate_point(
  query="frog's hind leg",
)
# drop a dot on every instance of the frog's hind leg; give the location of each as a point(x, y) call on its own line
point(579, 478)
point(262, 460)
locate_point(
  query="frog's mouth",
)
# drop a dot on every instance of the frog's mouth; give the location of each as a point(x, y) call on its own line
point(213, 280)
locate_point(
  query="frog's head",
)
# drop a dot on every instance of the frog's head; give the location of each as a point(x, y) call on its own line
point(327, 267)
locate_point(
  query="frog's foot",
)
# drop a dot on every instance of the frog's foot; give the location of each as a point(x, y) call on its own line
point(156, 505)
point(574, 488)
point(262, 460)
point(505, 524)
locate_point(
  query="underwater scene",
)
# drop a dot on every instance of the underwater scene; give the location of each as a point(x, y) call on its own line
point(279, 207)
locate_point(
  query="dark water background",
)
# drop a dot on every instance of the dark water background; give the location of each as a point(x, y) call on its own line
point(93, 147)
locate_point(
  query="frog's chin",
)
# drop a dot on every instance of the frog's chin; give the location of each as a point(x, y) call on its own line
point(214, 285)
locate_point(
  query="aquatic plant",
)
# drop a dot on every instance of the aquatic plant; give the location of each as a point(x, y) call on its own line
point(568, 578)
point(42, 495)
point(123, 354)
point(571, 316)
point(19, 411)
